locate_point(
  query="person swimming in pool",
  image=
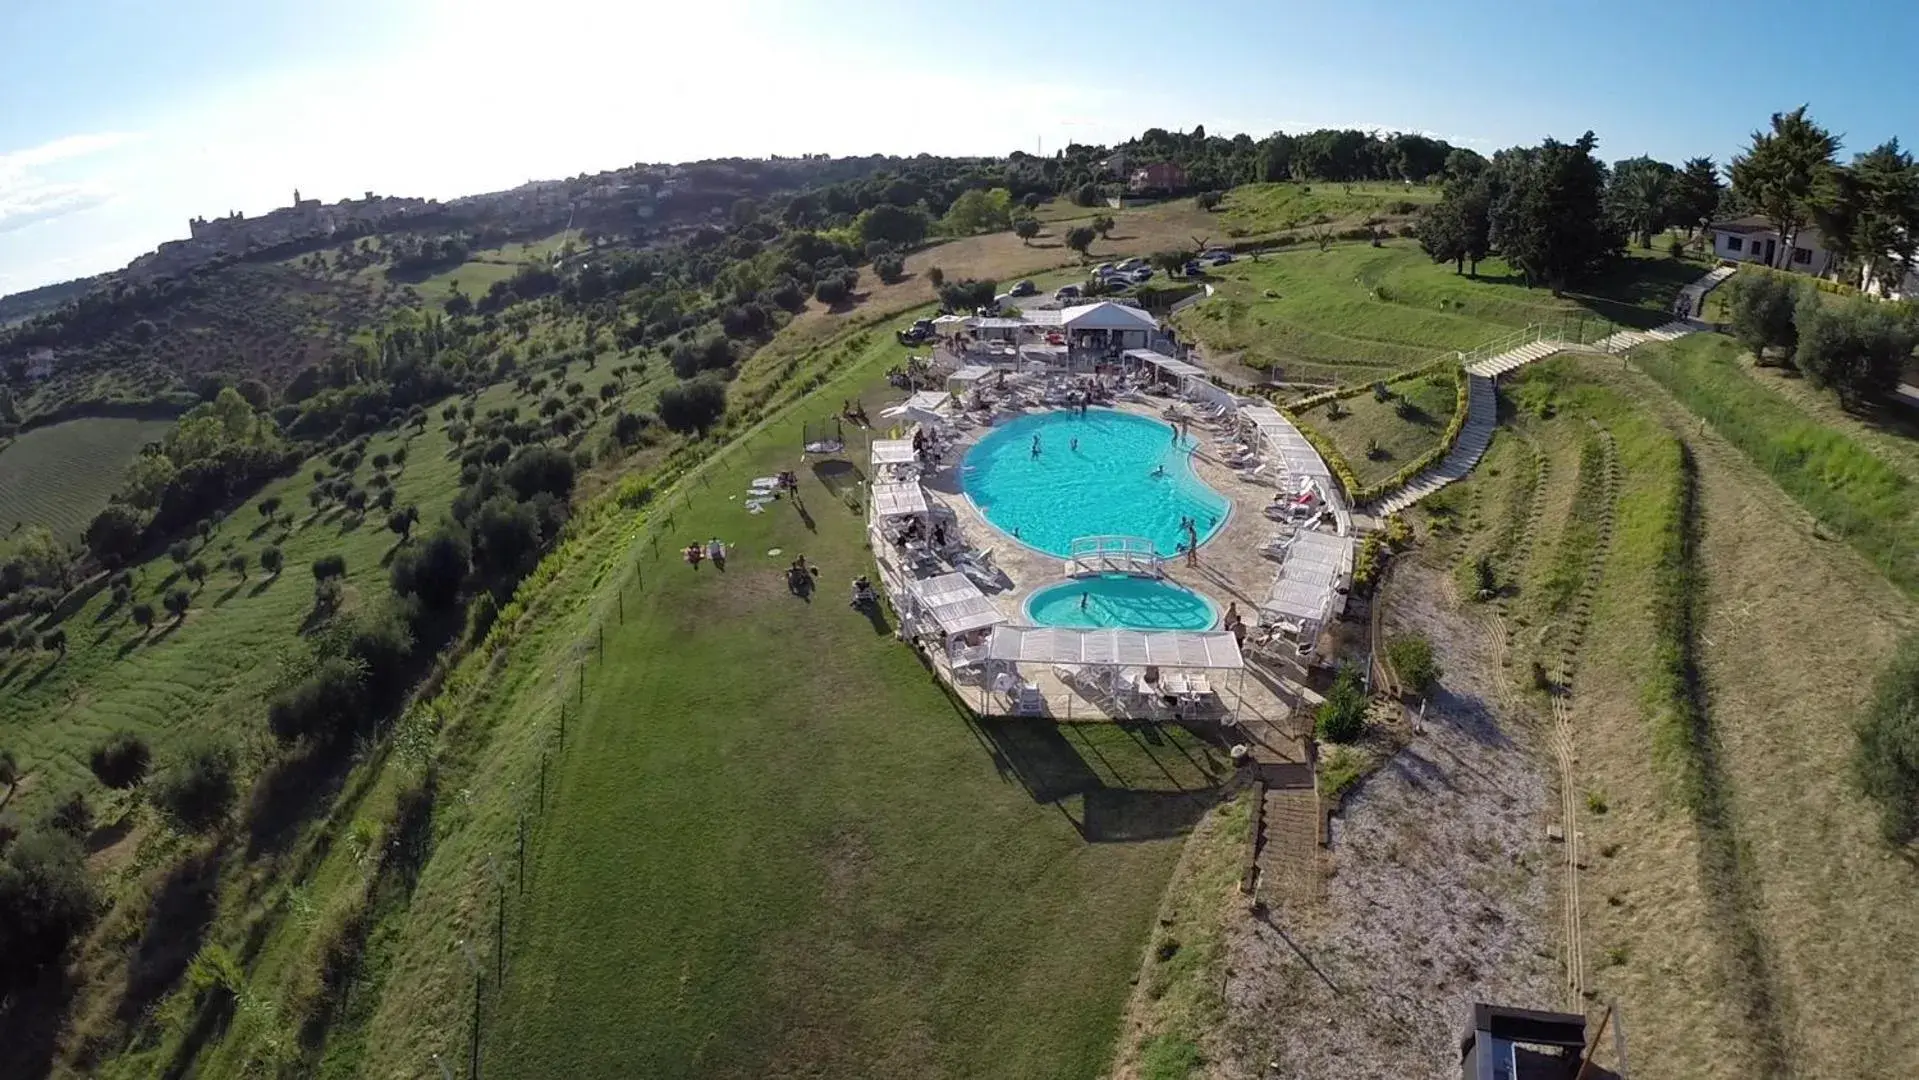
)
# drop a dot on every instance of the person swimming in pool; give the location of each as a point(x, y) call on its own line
point(1159, 470)
point(1084, 598)
point(1036, 446)
point(1075, 446)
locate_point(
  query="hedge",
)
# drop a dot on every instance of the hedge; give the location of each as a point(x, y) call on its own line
point(1461, 402)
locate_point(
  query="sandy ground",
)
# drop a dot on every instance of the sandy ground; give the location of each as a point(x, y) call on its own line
point(1437, 895)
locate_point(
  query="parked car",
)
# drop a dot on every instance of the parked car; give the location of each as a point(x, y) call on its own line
point(1132, 264)
point(1103, 268)
point(1066, 292)
point(1217, 256)
point(920, 332)
point(1193, 269)
point(1024, 288)
point(1141, 275)
point(1003, 300)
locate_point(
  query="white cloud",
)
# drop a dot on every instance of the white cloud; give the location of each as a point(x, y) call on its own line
point(41, 184)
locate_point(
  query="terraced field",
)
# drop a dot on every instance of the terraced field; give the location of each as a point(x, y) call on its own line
point(60, 475)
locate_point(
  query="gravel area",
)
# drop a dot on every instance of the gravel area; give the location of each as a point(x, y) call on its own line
point(1438, 888)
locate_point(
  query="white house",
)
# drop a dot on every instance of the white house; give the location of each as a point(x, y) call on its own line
point(1753, 239)
point(1896, 287)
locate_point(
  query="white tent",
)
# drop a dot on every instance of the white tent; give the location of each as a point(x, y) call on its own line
point(924, 407)
point(1212, 650)
point(1296, 455)
point(950, 320)
point(1107, 315)
point(1306, 589)
point(892, 451)
point(897, 500)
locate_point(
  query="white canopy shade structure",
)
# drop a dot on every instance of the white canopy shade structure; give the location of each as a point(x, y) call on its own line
point(950, 320)
point(963, 379)
point(944, 589)
point(1307, 589)
point(988, 322)
point(1171, 366)
point(925, 407)
point(1042, 316)
point(955, 604)
point(1296, 455)
point(1107, 315)
point(898, 500)
point(1211, 650)
point(892, 451)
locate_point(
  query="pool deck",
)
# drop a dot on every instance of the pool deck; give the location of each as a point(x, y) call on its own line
point(1274, 706)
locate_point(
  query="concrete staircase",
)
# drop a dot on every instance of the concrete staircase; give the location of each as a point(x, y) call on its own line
point(1482, 415)
point(1626, 339)
point(1494, 366)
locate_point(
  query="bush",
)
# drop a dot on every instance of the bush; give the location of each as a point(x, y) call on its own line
point(693, 406)
point(1342, 716)
point(434, 569)
point(197, 789)
point(69, 814)
point(540, 468)
point(830, 290)
point(325, 704)
point(889, 268)
point(329, 566)
point(1886, 757)
point(142, 615)
point(1763, 309)
point(935, 277)
point(271, 559)
point(121, 761)
point(177, 601)
point(1412, 659)
point(45, 902)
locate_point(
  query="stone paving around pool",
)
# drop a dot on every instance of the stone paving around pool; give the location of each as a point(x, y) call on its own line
point(1275, 706)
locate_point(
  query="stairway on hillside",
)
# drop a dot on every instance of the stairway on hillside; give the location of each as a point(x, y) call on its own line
point(1482, 416)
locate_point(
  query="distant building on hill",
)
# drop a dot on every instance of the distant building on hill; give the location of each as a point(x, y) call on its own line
point(1159, 176)
point(1754, 239)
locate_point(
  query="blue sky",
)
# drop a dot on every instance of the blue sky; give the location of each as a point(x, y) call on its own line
point(119, 119)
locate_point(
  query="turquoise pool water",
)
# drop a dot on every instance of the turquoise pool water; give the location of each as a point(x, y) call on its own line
point(1117, 600)
point(1126, 477)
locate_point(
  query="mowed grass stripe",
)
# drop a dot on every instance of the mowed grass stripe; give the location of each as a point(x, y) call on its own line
point(61, 475)
point(777, 848)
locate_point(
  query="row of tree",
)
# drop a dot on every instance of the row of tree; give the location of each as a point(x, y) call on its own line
point(1853, 346)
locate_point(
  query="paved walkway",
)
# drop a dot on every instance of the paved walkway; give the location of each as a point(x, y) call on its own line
point(1483, 406)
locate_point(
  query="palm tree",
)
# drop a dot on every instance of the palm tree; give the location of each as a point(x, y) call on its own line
point(1641, 201)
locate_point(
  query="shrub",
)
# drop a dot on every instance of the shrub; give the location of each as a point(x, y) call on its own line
point(889, 268)
point(693, 406)
point(1762, 310)
point(1382, 392)
point(142, 615)
point(69, 813)
point(935, 277)
point(1886, 757)
point(1412, 658)
point(540, 469)
point(197, 789)
point(121, 761)
point(1342, 716)
point(54, 641)
point(329, 566)
point(325, 704)
point(434, 569)
point(45, 902)
point(271, 559)
point(177, 601)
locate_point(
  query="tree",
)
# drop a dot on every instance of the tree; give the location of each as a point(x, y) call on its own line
point(197, 571)
point(121, 760)
point(197, 789)
point(1026, 228)
point(400, 522)
point(1172, 262)
point(434, 569)
point(1549, 221)
point(177, 601)
point(693, 406)
point(1342, 716)
point(270, 560)
point(45, 902)
point(269, 506)
point(889, 268)
point(1440, 235)
point(114, 534)
point(935, 277)
point(505, 535)
point(324, 705)
point(1787, 173)
point(1207, 200)
point(977, 211)
point(180, 551)
point(328, 567)
point(1640, 197)
point(1762, 310)
point(1086, 194)
point(1886, 753)
point(1858, 349)
point(898, 225)
point(1872, 221)
point(966, 294)
point(142, 615)
point(1695, 194)
point(54, 641)
point(830, 291)
point(1103, 224)
point(205, 529)
point(1080, 238)
point(540, 470)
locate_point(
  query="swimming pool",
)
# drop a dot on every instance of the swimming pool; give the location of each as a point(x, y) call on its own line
point(1135, 603)
point(1105, 473)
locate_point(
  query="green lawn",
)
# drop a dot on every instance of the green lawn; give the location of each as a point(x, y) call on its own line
point(1354, 313)
point(779, 849)
point(1365, 420)
point(60, 475)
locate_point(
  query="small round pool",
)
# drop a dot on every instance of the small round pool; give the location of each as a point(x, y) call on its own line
point(1051, 477)
point(1134, 603)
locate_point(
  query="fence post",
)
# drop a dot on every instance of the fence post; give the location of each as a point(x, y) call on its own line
point(499, 941)
point(522, 851)
point(473, 1054)
point(562, 725)
point(582, 668)
point(602, 630)
point(542, 781)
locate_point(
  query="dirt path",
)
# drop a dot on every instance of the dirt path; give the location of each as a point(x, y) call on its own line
point(1438, 895)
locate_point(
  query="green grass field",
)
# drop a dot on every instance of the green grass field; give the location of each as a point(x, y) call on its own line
point(779, 848)
point(1365, 420)
point(1255, 209)
point(1835, 476)
point(61, 475)
point(1354, 313)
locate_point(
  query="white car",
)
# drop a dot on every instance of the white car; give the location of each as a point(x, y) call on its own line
point(1141, 275)
point(1130, 265)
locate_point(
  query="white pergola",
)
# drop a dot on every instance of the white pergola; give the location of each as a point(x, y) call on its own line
point(962, 380)
point(1209, 650)
point(931, 407)
point(892, 451)
point(1296, 455)
point(955, 604)
point(1315, 567)
point(898, 500)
